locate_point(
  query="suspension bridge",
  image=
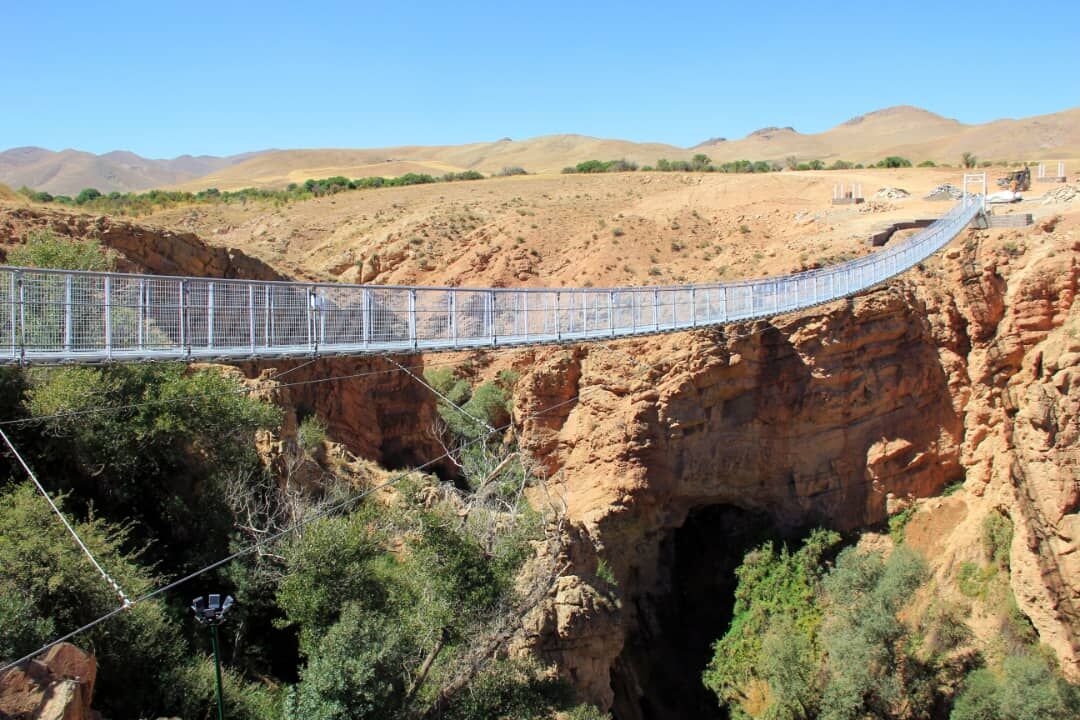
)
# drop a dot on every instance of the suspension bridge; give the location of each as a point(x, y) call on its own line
point(65, 317)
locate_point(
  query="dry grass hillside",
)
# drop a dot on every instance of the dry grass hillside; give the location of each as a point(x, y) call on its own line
point(915, 134)
point(907, 131)
point(572, 230)
point(69, 171)
point(547, 154)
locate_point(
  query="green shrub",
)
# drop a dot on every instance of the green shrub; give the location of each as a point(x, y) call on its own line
point(894, 161)
point(927, 163)
point(899, 521)
point(777, 590)
point(974, 581)
point(311, 434)
point(45, 249)
point(47, 588)
point(1028, 688)
point(997, 534)
point(968, 160)
point(242, 700)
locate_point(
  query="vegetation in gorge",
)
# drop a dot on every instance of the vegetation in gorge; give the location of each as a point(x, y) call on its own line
point(397, 605)
point(853, 634)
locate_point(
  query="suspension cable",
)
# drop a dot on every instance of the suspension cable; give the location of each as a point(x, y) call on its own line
point(125, 602)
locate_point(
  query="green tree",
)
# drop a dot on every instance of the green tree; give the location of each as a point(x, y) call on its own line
point(45, 249)
point(968, 160)
point(86, 195)
point(776, 594)
point(48, 588)
point(1027, 688)
point(862, 637)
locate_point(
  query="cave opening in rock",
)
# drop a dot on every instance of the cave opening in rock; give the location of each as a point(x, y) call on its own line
point(658, 674)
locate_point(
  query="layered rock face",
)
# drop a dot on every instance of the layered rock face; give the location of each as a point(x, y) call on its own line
point(57, 685)
point(141, 247)
point(961, 371)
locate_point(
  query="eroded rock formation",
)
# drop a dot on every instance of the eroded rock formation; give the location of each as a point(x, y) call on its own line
point(963, 371)
point(141, 247)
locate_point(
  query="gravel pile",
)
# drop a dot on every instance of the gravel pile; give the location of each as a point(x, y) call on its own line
point(891, 193)
point(1061, 194)
point(945, 191)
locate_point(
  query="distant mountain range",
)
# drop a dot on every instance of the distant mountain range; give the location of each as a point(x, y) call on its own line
point(907, 131)
point(68, 171)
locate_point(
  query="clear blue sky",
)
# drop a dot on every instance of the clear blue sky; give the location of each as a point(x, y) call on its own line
point(166, 78)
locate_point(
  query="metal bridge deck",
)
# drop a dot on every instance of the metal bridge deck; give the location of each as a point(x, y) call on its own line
point(56, 316)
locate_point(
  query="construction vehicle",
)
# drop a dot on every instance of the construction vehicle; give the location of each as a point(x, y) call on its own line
point(1017, 180)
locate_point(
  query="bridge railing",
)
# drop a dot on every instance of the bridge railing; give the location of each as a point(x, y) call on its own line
point(50, 316)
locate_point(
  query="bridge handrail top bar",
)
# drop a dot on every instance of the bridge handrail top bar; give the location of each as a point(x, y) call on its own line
point(322, 284)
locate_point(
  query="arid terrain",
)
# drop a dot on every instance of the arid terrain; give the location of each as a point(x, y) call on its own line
point(961, 371)
point(906, 131)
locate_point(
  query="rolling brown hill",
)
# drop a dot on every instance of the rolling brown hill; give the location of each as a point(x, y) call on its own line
point(911, 132)
point(545, 154)
point(69, 171)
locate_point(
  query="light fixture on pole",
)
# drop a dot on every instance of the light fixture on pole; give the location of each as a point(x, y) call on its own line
point(212, 612)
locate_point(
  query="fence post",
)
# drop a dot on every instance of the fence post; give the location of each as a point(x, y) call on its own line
point(491, 317)
point(451, 301)
point(210, 315)
point(693, 306)
point(67, 313)
point(656, 310)
point(365, 317)
point(312, 342)
point(611, 312)
point(525, 313)
point(412, 319)
point(141, 319)
point(558, 330)
point(185, 346)
point(17, 347)
point(108, 317)
point(251, 316)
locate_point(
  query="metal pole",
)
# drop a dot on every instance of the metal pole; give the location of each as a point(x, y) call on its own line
point(525, 313)
point(251, 316)
point(142, 314)
point(67, 313)
point(611, 313)
point(365, 314)
point(412, 319)
point(558, 332)
point(210, 315)
point(217, 669)
point(108, 317)
point(181, 321)
point(451, 300)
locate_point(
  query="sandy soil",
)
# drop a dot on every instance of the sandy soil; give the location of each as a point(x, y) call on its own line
point(571, 230)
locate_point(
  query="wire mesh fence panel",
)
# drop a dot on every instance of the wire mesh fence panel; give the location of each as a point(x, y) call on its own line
point(597, 312)
point(472, 315)
point(42, 310)
point(506, 306)
point(340, 314)
point(8, 312)
point(433, 315)
point(57, 315)
point(685, 307)
point(389, 316)
point(161, 310)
